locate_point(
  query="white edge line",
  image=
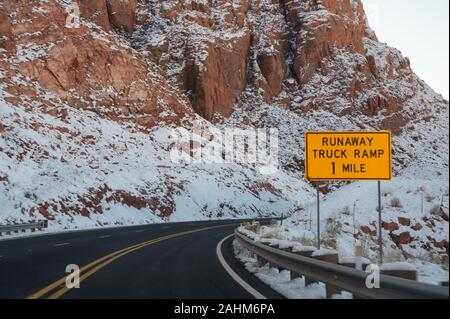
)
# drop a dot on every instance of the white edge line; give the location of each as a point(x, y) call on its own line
point(233, 274)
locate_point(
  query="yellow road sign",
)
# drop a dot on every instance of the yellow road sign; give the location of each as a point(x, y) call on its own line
point(348, 156)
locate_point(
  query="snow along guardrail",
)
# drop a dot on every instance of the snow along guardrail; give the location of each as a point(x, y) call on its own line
point(345, 278)
point(39, 225)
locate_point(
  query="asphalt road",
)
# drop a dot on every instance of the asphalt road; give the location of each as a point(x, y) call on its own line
point(177, 260)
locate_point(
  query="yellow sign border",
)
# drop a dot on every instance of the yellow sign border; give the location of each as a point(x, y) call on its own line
point(347, 179)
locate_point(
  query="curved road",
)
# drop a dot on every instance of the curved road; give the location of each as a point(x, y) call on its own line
point(176, 260)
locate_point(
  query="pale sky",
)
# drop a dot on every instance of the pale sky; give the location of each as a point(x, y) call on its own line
point(420, 30)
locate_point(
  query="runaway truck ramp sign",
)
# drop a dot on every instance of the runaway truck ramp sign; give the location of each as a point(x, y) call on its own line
point(331, 156)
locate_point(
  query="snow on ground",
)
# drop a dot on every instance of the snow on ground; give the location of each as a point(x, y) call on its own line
point(346, 211)
point(281, 281)
point(85, 171)
point(352, 210)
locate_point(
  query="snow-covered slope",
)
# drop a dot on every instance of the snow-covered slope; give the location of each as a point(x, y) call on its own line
point(87, 171)
point(415, 224)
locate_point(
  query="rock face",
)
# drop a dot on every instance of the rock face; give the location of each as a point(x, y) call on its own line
point(87, 71)
point(5, 24)
point(110, 14)
point(217, 84)
point(215, 51)
point(95, 11)
point(338, 25)
point(305, 55)
point(122, 14)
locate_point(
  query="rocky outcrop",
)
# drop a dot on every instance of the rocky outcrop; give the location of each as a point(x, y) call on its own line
point(404, 221)
point(338, 25)
point(122, 14)
point(7, 41)
point(110, 14)
point(279, 51)
point(217, 83)
point(273, 70)
point(317, 51)
point(96, 12)
point(368, 230)
point(390, 226)
point(402, 238)
point(88, 70)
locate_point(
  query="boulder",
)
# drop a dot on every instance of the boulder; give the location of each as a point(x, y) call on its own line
point(368, 231)
point(401, 239)
point(390, 226)
point(442, 245)
point(404, 221)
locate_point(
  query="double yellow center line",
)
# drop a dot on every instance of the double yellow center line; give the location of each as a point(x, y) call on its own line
point(58, 288)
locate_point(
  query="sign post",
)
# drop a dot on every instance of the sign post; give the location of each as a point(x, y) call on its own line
point(318, 218)
point(354, 219)
point(347, 156)
point(310, 219)
point(380, 224)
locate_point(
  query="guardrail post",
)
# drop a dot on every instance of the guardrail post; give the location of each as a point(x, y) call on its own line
point(288, 250)
point(261, 261)
point(304, 253)
point(272, 265)
point(392, 270)
point(331, 258)
point(352, 263)
point(22, 228)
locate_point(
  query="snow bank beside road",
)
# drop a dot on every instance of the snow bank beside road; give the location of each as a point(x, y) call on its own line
point(349, 219)
point(281, 281)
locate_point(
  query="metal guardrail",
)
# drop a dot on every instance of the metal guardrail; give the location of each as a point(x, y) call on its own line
point(345, 278)
point(8, 229)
